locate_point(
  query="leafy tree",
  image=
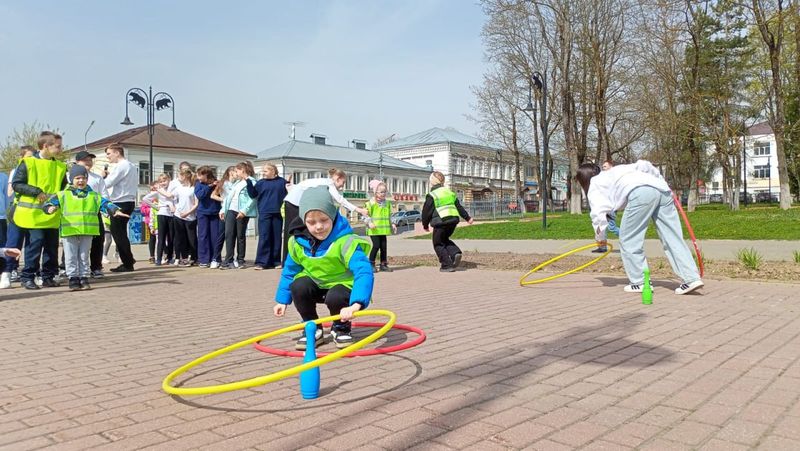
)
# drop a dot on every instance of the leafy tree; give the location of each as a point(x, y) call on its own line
point(27, 135)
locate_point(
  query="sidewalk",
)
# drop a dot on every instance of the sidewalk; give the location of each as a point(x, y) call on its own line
point(570, 364)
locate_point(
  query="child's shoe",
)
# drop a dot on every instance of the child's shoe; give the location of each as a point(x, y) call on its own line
point(85, 283)
point(151, 260)
point(214, 265)
point(600, 250)
point(74, 284)
point(635, 288)
point(341, 338)
point(14, 276)
point(456, 260)
point(301, 342)
point(5, 280)
point(385, 268)
point(687, 288)
point(184, 263)
point(203, 265)
point(447, 269)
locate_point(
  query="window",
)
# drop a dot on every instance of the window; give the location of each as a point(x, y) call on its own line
point(715, 185)
point(395, 187)
point(144, 173)
point(416, 187)
point(463, 167)
point(296, 177)
point(529, 171)
point(761, 172)
point(310, 174)
point(169, 169)
point(761, 148)
point(480, 169)
point(360, 185)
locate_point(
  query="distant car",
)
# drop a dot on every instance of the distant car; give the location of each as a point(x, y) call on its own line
point(715, 198)
point(766, 197)
point(742, 197)
point(404, 218)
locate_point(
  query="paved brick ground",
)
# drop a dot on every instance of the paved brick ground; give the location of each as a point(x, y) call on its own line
point(574, 363)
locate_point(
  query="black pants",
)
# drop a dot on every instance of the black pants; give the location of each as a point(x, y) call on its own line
point(42, 246)
point(151, 245)
point(166, 231)
point(96, 251)
point(119, 230)
point(445, 248)
point(291, 211)
point(185, 239)
point(378, 244)
point(306, 295)
point(235, 235)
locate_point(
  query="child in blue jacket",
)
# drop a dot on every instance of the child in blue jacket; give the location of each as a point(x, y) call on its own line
point(326, 263)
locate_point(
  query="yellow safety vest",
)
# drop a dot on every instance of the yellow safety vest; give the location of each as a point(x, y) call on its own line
point(332, 267)
point(444, 199)
point(381, 217)
point(47, 175)
point(79, 214)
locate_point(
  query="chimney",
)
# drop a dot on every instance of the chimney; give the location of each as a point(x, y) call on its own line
point(360, 144)
point(318, 139)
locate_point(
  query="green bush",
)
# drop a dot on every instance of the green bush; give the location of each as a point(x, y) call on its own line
point(796, 256)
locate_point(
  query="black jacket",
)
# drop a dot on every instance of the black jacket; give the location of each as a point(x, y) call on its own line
point(431, 216)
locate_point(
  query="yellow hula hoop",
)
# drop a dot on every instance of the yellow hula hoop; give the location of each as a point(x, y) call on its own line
point(524, 282)
point(261, 380)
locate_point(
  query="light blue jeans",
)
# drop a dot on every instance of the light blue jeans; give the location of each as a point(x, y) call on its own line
point(645, 203)
point(76, 255)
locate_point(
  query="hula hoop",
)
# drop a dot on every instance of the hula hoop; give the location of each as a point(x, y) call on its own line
point(524, 282)
point(361, 353)
point(276, 376)
point(697, 252)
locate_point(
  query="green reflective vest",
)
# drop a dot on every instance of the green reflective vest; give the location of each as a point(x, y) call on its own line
point(381, 217)
point(331, 268)
point(47, 175)
point(79, 214)
point(444, 199)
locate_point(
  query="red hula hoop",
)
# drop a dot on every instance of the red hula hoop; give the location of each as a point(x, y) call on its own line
point(359, 353)
point(691, 234)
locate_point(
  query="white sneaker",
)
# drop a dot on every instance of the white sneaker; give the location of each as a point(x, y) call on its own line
point(37, 280)
point(235, 264)
point(214, 265)
point(105, 260)
point(686, 288)
point(634, 288)
point(5, 280)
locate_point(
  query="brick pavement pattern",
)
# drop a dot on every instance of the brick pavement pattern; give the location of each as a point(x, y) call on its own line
point(569, 364)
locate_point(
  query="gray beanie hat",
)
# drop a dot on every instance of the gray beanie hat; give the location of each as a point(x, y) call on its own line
point(77, 170)
point(317, 198)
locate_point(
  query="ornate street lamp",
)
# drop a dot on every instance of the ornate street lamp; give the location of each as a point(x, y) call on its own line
point(151, 103)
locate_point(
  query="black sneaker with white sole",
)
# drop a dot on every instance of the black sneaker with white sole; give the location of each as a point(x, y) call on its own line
point(341, 338)
point(301, 342)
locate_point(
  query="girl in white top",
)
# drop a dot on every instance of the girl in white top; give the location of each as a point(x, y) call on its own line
point(162, 200)
point(640, 189)
point(185, 220)
point(291, 204)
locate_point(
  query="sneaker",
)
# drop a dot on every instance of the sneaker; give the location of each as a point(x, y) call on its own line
point(241, 266)
point(85, 283)
point(15, 276)
point(301, 342)
point(62, 273)
point(342, 339)
point(214, 265)
point(37, 280)
point(5, 280)
point(175, 262)
point(151, 260)
point(29, 285)
point(122, 268)
point(633, 288)
point(258, 268)
point(687, 288)
point(235, 264)
point(105, 260)
point(447, 269)
point(185, 263)
point(456, 260)
point(97, 274)
point(74, 284)
point(224, 267)
point(203, 265)
point(374, 268)
point(49, 283)
point(600, 250)
point(385, 268)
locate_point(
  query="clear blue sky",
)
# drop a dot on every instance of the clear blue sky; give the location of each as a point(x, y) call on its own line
point(239, 69)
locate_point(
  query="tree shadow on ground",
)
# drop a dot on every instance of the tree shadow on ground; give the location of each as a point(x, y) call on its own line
point(97, 284)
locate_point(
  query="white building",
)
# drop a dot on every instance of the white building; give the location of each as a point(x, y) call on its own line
point(301, 160)
point(170, 147)
point(475, 169)
point(760, 166)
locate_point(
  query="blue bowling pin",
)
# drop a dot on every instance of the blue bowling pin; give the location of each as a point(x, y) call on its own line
point(309, 379)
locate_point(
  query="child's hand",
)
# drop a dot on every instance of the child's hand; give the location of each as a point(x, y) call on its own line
point(346, 314)
point(362, 211)
point(279, 309)
point(172, 208)
point(120, 214)
point(13, 252)
point(50, 210)
point(221, 216)
point(184, 214)
point(470, 221)
point(42, 197)
point(394, 228)
point(240, 215)
point(372, 225)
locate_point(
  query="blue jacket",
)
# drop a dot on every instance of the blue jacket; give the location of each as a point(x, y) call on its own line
point(5, 199)
point(206, 205)
point(359, 263)
point(270, 194)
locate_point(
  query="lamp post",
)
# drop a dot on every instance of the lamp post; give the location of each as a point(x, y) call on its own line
point(151, 103)
point(540, 82)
